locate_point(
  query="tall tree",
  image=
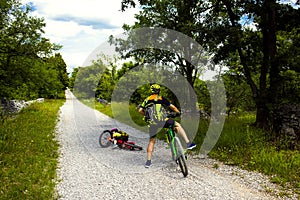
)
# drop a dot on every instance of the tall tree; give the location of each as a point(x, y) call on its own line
point(22, 50)
point(178, 49)
point(256, 50)
point(247, 35)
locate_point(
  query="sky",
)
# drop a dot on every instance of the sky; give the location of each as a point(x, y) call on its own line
point(80, 26)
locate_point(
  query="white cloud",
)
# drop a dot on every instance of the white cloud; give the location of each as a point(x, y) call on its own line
point(81, 25)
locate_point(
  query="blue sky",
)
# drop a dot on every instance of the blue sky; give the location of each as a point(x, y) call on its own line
point(80, 25)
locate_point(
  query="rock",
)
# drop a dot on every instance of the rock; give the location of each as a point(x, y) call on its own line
point(15, 106)
point(286, 120)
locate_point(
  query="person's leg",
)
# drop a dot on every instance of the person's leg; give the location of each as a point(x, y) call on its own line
point(150, 151)
point(115, 143)
point(152, 130)
point(150, 148)
point(178, 128)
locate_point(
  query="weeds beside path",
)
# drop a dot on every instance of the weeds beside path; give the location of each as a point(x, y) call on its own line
point(28, 152)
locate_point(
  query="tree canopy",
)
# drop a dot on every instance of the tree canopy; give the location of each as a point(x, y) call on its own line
point(28, 66)
point(257, 40)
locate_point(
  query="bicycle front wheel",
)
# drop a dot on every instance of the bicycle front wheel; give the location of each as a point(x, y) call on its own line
point(180, 157)
point(104, 139)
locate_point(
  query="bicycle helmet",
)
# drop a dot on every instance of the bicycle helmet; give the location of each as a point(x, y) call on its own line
point(114, 130)
point(155, 88)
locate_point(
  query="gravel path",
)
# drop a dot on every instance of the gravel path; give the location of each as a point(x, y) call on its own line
point(87, 171)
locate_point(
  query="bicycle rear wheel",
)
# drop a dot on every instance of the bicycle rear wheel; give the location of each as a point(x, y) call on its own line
point(180, 158)
point(104, 139)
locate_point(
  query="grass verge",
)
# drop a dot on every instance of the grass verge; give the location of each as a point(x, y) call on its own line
point(28, 152)
point(247, 147)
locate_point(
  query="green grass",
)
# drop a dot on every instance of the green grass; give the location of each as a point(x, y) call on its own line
point(105, 109)
point(118, 113)
point(28, 152)
point(245, 146)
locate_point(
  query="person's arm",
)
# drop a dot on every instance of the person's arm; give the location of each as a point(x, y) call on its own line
point(141, 110)
point(174, 108)
point(171, 106)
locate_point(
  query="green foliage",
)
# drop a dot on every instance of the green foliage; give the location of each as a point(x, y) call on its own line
point(73, 78)
point(279, 164)
point(238, 93)
point(260, 52)
point(256, 40)
point(87, 79)
point(105, 109)
point(246, 146)
point(28, 153)
point(27, 69)
point(175, 15)
point(290, 86)
point(100, 80)
point(106, 85)
point(262, 59)
point(57, 63)
point(202, 95)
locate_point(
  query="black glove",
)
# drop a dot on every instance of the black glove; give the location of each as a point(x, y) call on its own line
point(178, 114)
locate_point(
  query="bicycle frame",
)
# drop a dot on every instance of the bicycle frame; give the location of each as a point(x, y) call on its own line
point(177, 150)
point(171, 139)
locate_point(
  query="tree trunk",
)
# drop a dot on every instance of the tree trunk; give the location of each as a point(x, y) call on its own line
point(192, 99)
point(260, 95)
point(269, 66)
point(274, 70)
point(262, 114)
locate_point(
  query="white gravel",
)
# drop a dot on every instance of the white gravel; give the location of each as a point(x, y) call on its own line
point(87, 171)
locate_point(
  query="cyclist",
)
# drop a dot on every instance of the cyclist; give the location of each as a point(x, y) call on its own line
point(152, 110)
point(118, 135)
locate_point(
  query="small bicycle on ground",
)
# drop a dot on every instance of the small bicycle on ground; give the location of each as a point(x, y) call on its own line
point(105, 140)
point(178, 154)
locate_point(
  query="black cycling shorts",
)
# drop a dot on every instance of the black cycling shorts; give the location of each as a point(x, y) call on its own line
point(155, 128)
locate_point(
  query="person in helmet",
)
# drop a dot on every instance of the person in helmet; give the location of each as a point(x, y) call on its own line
point(118, 135)
point(152, 109)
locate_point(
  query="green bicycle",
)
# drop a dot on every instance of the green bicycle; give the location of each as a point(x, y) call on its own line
point(177, 151)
